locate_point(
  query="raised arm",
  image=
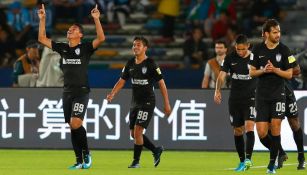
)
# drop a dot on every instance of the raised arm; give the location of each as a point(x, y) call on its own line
point(42, 37)
point(163, 89)
point(99, 31)
point(118, 86)
point(219, 82)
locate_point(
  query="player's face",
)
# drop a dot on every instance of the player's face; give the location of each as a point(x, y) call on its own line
point(74, 32)
point(33, 53)
point(138, 48)
point(220, 49)
point(242, 49)
point(274, 35)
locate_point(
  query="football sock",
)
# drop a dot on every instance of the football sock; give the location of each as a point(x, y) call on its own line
point(274, 149)
point(137, 152)
point(76, 145)
point(239, 142)
point(148, 144)
point(298, 138)
point(266, 141)
point(250, 141)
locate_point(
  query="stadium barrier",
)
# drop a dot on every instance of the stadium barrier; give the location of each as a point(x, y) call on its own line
point(32, 118)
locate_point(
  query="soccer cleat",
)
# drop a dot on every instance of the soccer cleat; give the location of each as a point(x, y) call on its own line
point(280, 160)
point(241, 167)
point(271, 169)
point(301, 165)
point(157, 155)
point(134, 164)
point(248, 163)
point(76, 166)
point(87, 161)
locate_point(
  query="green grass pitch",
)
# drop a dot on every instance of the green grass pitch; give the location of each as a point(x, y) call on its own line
point(55, 162)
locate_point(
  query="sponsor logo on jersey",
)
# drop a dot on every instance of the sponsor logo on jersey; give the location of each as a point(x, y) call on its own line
point(139, 81)
point(144, 70)
point(71, 61)
point(291, 59)
point(158, 71)
point(278, 57)
point(77, 51)
point(233, 64)
point(241, 76)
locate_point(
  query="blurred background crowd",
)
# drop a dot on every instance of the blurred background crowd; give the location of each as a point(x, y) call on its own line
point(183, 34)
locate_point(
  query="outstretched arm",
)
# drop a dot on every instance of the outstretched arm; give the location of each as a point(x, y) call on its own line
point(163, 89)
point(100, 34)
point(219, 82)
point(118, 86)
point(42, 38)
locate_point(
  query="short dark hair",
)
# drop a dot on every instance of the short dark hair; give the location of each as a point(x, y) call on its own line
point(32, 44)
point(80, 27)
point(241, 39)
point(221, 42)
point(269, 24)
point(142, 39)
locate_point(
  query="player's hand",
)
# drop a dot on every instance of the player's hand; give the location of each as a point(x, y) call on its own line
point(41, 12)
point(217, 97)
point(95, 12)
point(167, 110)
point(268, 67)
point(110, 97)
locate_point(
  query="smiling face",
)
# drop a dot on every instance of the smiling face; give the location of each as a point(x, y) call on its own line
point(74, 33)
point(138, 48)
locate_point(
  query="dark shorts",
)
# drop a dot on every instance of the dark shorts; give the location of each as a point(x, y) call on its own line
point(74, 105)
point(241, 110)
point(268, 109)
point(291, 106)
point(140, 116)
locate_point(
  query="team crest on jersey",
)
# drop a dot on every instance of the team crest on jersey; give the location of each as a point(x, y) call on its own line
point(144, 70)
point(77, 51)
point(278, 57)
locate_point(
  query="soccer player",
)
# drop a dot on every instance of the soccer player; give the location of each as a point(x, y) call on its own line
point(291, 113)
point(271, 63)
point(143, 73)
point(75, 58)
point(241, 102)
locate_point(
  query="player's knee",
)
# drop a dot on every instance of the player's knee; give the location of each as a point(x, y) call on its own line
point(238, 131)
point(75, 123)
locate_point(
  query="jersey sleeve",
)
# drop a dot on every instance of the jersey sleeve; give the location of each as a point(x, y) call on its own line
point(157, 74)
point(125, 72)
point(226, 64)
point(89, 48)
point(253, 59)
point(57, 47)
point(290, 61)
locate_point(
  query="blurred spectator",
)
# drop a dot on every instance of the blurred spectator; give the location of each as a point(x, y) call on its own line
point(26, 67)
point(7, 49)
point(220, 26)
point(217, 7)
point(198, 12)
point(213, 66)
point(195, 50)
point(34, 20)
point(52, 76)
point(119, 8)
point(19, 22)
point(71, 9)
point(263, 10)
point(170, 10)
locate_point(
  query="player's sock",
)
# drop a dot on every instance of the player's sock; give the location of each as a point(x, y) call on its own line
point(274, 149)
point(148, 144)
point(266, 141)
point(281, 150)
point(137, 152)
point(250, 141)
point(76, 145)
point(298, 138)
point(83, 140)
point(239, 142)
